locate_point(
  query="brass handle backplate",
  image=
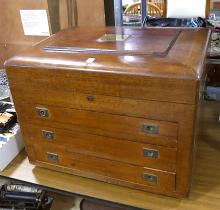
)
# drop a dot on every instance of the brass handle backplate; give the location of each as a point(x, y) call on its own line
point(48, 134)
point(42, 112)
point(151, 129)
point(52, 156)
point(150, 178)
point(151, 153)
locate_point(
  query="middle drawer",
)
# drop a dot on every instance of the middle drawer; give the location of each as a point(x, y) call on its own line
point(115, 126)
point(140, 154)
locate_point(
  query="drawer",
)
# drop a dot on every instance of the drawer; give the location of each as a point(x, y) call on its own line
point(105, 170)
point(113, 84)
point(103, 103)
point(152, 156)
point(116, 126)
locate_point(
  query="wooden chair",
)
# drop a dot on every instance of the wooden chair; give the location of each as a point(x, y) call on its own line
point(160, 4)
point(133, 9)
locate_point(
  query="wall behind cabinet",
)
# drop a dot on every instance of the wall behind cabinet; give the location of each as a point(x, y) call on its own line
point(61, 14)
point(12, 38)
point(91, 13)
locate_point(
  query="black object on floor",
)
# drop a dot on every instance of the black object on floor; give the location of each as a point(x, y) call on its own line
point(18, 196)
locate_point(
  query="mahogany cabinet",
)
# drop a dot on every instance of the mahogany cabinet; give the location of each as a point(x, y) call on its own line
point(113, 104)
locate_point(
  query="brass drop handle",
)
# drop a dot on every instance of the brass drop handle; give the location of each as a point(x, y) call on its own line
point(150, 153)
point(42, 112)
point(150, 178)
point(151, 129)
point(48, 135)
point(52, 156)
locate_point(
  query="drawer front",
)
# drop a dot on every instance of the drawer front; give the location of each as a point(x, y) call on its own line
point(146, 155)
point(102, 103)
point(103, 169)
point(116, 126)
point(119, 85)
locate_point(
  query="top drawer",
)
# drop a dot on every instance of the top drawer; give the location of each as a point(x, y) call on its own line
point(101, 103)
point(118, 85)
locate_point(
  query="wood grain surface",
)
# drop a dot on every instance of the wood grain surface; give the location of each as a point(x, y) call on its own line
point(12, 37)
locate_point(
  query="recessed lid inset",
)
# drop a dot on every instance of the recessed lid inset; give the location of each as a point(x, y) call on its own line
point(124, 48)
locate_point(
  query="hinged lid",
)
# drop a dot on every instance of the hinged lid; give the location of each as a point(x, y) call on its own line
point(160, 52)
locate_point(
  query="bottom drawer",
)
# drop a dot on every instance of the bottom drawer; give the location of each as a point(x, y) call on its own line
point(104, 147)
point(115, 172)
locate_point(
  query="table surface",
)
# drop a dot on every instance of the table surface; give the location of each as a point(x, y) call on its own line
point(205, 193)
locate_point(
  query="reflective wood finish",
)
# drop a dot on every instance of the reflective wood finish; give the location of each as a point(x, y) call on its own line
point(140, 93)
